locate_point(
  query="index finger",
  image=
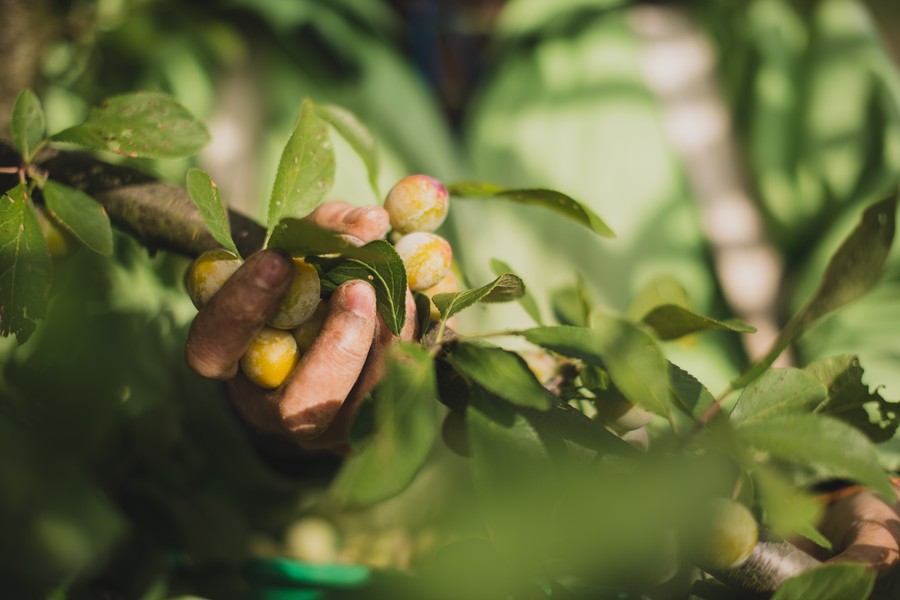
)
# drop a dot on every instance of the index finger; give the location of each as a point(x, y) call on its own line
point(365, 222)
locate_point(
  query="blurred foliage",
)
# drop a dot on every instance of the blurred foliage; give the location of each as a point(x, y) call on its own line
point(122, 471)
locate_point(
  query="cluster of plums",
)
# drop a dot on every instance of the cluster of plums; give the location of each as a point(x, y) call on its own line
point(417, 205)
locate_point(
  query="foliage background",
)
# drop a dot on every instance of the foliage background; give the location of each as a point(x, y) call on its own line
point(113, 454)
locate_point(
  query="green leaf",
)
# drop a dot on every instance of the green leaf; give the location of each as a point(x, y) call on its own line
point(788, 511)
point(821, 441)
point(26, 271)
point(357, 135)
point(423, 311)
point(670, 321)
point(550, 199)
point(630, 356)
point(853, 270)
point(501, 372)
point(659, 290)
point(690, 396)
point(378, 263)
point(305, 171)
point(527, 300)
point(148, 124)
point(777, 392)
point(503, 289)
point(299, 237)
point(80, 215)
point(848, 398)
point(406, 424)
point(836, 581)
point(689, 392)
point(205, 194)
point(29, 125)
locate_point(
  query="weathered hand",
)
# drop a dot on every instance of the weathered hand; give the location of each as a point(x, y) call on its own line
point(314, 406)
point(862, 528)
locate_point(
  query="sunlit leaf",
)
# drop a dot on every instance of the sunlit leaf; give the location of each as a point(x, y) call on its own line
point(837, 581)
point(149, 124)
point(378, 263)
point(503, 289)
point(527, 300)
point(690, 396)
point(306, 169)
point(821, 441)
point(206, 196)
point(550, 199)
point(501, 372)
point(853, 270)
point(80, 215)
point(658, 291)
point(29, 125)
point(25, 268)
point(849, 397)
point(630, 356)
point(405, 427)
point(670, 322)
point(357, 135)
point(777, 392)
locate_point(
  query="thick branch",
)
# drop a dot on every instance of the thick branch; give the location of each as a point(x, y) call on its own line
point(159, 215)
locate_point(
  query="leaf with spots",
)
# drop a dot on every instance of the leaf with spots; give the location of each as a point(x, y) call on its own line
point(205, 194)
point(25, 268)
point(306, 169)
point(147, 124)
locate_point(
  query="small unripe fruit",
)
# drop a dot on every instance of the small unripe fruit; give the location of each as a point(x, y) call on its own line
point(306, 332)
point(208, 273)
point(59, 241)
point(301, 299)
point(417, 203)
point(271, 357)
point(729, 536)
point(621, 415)
point(427, 258)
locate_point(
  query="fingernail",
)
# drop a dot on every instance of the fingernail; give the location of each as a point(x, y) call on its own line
point(359, 298)
point(272, 269)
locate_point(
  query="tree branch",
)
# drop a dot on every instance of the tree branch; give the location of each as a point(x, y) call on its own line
point(159, 215)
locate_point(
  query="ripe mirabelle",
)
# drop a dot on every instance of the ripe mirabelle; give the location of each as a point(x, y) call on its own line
point(417, 203)
point(729, 537)
point(427, 258)
point(271, 357)
point(301, 299)
point(208, 273)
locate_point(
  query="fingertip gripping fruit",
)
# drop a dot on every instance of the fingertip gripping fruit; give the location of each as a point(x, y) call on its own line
point(208, 273)
point(301, 299)
point(427, 258)
point(417, 203)
point(271, 357)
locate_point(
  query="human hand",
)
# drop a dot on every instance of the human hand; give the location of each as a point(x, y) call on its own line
point(314, 406)
point(863, 529)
